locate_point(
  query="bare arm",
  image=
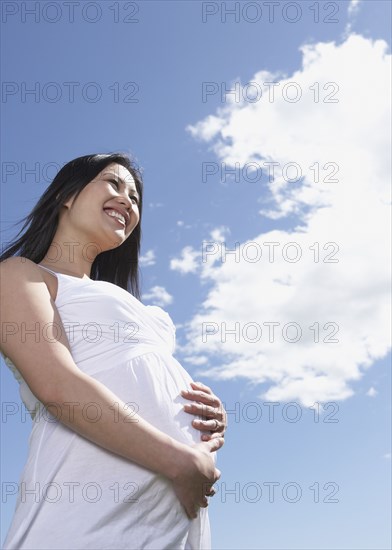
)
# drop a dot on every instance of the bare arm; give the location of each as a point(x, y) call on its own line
point(48, 368)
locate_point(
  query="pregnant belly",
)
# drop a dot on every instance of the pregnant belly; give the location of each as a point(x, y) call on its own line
point(150, 386)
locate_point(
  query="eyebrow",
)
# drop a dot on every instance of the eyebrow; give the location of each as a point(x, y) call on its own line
point(112, 174)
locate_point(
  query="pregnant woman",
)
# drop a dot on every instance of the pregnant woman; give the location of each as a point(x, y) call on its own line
point(116, 460)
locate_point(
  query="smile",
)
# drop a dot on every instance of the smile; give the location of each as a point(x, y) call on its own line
point(117, 216)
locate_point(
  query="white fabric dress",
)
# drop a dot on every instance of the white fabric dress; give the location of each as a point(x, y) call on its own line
point(75, 495)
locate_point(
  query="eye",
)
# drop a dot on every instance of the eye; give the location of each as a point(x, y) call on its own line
point(134, 199)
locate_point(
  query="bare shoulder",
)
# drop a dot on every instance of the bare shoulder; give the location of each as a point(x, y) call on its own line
point(18, 266)
point(19, 273)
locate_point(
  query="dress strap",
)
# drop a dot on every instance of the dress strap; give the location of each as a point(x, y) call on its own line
point(47, 269)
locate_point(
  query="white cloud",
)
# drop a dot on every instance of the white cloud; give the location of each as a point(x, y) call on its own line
point(353, 7)
point(158, 295)
point(352, 294)
point(212, 125)
point(191, 260)
point(197, 360)
point(181, 223)
point(147, 259)
point(352, 10)
point(188, 262)
point(218, 234)
point(372, 392)
point(387, 456)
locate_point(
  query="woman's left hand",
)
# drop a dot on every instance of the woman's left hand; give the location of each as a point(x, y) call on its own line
point(209, 407)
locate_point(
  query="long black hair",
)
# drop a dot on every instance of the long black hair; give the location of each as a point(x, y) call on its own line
point(119, 265)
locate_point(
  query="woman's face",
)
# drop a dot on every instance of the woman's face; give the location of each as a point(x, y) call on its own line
point(106, 211)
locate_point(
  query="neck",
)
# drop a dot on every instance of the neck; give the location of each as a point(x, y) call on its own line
point(71, 256)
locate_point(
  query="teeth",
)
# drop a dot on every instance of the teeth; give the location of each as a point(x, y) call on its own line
point(115, 214)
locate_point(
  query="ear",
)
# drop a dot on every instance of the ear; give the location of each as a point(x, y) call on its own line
point(68, 203)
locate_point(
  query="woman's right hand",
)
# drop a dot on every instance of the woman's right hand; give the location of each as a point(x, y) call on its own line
point(196, 475)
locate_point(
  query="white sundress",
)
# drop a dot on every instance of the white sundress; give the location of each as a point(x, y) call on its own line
point(74, 494)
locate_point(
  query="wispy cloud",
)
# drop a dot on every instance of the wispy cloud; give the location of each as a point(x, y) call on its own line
point(188, 262)
point(147, 259)
point(181, 223)
point(352, 11)
point(353, 6)
point(218, 234)
point(159, 296)
point(339, 288)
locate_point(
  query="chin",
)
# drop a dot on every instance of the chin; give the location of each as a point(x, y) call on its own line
point(117, 244)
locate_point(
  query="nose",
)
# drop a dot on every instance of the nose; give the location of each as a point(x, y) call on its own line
point(125, 200)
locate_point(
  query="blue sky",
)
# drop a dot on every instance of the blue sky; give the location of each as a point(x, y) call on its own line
point(165, 59)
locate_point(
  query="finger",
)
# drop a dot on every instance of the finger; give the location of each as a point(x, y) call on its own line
point(214, 444)
point(207, 425)
point(209, 436)
point(202, 397)
point(204, 502)
point(200, 385)
point(203, 410)
point(191, 511)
